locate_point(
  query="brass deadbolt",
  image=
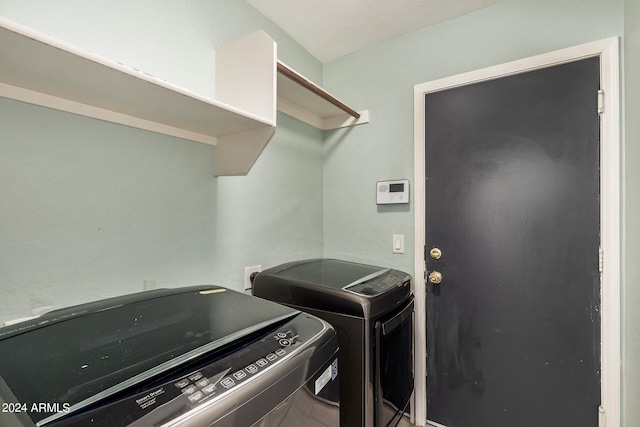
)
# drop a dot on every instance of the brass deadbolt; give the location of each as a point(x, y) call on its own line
point(435, 253)
point(435, 277)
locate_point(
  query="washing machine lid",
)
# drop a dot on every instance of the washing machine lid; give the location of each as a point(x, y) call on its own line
point(336, 286)
point(349, 276)
point(78, 356)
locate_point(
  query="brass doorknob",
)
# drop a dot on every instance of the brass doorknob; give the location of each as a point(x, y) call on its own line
point(435, 277)
point(435, 253)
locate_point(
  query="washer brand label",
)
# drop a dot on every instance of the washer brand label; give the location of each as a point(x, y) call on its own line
point(149, 399)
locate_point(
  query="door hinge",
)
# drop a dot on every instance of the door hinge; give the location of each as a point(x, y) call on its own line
point(602, 417)
point(600, 260)
point(600, 101)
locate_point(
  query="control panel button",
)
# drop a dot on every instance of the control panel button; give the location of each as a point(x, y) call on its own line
point(209, 389)
point(252, 369)
point(227, 382)
point(182, 383)
point(282, 335)
point(262, 362)
point(196, 376)
point(281, 352)
point(202, 383)
point(271, 357)
point(196, 396)
point(285, 342)
point(239, 375)
point(189, 390)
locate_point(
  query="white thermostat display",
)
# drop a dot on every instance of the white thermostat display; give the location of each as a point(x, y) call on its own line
point(391, 192)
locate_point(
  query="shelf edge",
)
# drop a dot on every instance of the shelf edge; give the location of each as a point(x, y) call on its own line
point(327, 123)
point(345, 120)
point(307, 84)
point(69, 106)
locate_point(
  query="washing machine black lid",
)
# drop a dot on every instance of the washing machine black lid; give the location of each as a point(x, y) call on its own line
point(333, 273)
point(335, 286)
point(363, 279)
point(80, 355)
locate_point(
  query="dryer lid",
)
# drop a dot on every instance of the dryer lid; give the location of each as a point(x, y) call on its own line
point(363, 279)
point(83, 354)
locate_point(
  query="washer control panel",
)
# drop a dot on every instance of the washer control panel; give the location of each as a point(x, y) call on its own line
point(218, 378)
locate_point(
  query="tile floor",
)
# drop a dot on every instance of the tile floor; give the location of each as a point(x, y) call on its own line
point(302, 409)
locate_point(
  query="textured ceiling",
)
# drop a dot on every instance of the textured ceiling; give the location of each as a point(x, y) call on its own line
point(330, 29)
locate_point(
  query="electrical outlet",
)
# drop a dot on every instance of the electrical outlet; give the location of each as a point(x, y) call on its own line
point(248, 271)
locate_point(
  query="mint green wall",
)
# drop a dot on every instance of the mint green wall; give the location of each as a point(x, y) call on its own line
point(631, 291)
point(382, 78)
point(90, 209)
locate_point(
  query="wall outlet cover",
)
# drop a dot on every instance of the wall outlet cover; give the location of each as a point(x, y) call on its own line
point(248, 271)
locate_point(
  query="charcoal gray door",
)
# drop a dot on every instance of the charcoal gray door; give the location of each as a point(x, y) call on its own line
point(512, 204)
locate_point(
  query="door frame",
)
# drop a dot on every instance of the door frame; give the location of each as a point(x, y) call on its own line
point(610, 210)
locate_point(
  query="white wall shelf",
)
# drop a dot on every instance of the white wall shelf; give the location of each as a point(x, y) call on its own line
point(299, 97)
point(41, 70)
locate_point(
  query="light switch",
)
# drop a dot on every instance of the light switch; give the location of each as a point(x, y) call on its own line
point(398, 243)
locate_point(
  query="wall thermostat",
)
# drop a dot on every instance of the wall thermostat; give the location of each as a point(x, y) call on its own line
point(392, 192)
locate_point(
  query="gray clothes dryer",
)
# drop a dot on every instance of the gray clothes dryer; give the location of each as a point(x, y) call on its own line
point(196, 356)
point(371, 309)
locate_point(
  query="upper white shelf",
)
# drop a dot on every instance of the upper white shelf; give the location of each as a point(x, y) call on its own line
point(299, 97)
point(41, 70)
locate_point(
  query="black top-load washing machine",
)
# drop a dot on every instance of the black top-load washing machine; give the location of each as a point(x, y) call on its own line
point(371, 309)
point(196, 356)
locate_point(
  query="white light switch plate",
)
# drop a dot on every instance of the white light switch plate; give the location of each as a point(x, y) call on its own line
point(398, 244)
